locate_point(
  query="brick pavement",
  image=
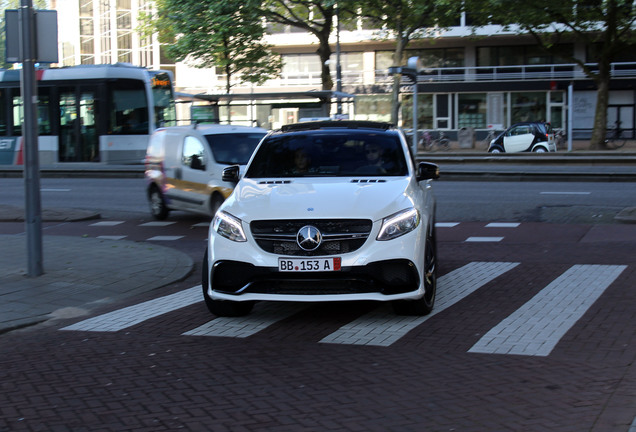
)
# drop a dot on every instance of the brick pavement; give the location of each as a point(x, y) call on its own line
point(151, 376)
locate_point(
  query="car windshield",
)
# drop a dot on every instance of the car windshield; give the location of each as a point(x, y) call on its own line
point(329, 153)
point(234, 148)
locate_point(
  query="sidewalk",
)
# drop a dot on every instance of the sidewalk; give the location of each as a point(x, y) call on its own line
point(79, 273)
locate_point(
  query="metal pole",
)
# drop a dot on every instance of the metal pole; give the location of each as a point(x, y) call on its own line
point(33, 211)
point(414, 78)
point(338, 67)
point(570, 114)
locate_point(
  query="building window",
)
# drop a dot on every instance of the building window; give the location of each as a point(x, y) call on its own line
point(373, 107)
point(300, 65)
point(473, 109)
point(424, 111)
point(518, 55)
point(527, 106)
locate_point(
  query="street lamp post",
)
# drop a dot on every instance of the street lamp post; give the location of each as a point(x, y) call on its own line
point(413, 68)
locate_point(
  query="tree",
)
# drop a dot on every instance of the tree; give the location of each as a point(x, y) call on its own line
point(406, 20)
point(217, 33)
point(313, 16)
point(605, 26)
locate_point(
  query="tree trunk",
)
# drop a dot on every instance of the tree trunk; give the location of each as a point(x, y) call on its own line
point(324, 52)
point(597, 142)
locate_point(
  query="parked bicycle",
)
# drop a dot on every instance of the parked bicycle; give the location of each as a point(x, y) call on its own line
point(485, 143)
point(615, 137)
point(560, 139)
point(428, 143)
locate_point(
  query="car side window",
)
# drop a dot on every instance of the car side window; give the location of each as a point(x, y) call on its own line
point(193, 154)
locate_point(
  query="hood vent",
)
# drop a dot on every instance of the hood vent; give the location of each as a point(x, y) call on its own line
point(274, 182)
point(368, 181)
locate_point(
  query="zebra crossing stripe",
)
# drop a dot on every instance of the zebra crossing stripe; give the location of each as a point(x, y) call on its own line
point(381, 327)
point(262, 317)
point(132, 315)
point(536, 327)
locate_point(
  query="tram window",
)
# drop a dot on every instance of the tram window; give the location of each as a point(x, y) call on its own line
point(18, 115)
point(44, 114)
point(129, 108)
point(3, 114)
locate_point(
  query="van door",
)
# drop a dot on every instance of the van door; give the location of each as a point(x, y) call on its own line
point(193, 189)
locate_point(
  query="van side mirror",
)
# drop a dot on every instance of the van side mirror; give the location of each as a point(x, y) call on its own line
point(231, 174)
point(427, 171)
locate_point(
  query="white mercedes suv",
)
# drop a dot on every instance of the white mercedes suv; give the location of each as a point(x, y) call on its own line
point(326, 211)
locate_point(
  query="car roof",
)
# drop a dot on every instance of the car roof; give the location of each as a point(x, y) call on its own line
point(336, 124)
point(213, 129)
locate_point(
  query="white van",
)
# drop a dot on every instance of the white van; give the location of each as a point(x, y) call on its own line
point(184, 165)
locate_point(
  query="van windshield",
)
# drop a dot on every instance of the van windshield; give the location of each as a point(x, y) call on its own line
point(234, 148)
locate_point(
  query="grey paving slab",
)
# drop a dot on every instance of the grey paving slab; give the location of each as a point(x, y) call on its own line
point(80, 272)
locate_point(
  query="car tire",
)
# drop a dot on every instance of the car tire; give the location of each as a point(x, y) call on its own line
point(221, 308)
point(494, 150)
point(424, 305)
point(158, 207)
point(539, 149)
point(215, 202)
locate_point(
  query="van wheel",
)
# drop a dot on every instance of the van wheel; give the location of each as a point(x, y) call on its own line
point(158, 207)
point(215, 203)
point(221, 308)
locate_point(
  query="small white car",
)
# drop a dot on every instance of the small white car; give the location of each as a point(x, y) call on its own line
point(326, 211)
point(537, 137)
point(184, 166)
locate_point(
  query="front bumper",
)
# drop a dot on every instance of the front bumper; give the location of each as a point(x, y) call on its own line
point(383, 278)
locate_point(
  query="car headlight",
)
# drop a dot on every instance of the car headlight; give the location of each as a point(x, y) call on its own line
point(229, 226)
point(399, 224)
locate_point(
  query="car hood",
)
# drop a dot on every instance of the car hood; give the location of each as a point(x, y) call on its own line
point(319, 198)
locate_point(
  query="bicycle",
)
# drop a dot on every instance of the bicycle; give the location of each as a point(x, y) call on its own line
point(429, 144)
point(485, 143)
point(615, 139)
point(559, 139)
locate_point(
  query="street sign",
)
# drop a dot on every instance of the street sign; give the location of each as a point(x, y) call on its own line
point(45, 36)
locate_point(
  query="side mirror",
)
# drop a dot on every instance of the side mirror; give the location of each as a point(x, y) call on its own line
point(427, 171)
point(231, 174)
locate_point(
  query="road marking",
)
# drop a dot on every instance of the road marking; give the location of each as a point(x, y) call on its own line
point(446, 224)
point(484, 239)
point(202, 224)
point(107, 223)
point(164, 238)
point(54, 190)
point(565, 193)
point(264, 315)
point(113, 237)
point(536, 327)
point(156, 224)
point(132, 315)
point(381, 327)
point(503, 225)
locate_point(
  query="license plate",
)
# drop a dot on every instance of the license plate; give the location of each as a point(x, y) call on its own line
point(308, 264)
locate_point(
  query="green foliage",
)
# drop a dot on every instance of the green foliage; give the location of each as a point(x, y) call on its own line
point(606, 27)
point(219, 33)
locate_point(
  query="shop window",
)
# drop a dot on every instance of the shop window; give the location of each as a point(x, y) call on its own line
point(528, 106)
point(473, 109)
